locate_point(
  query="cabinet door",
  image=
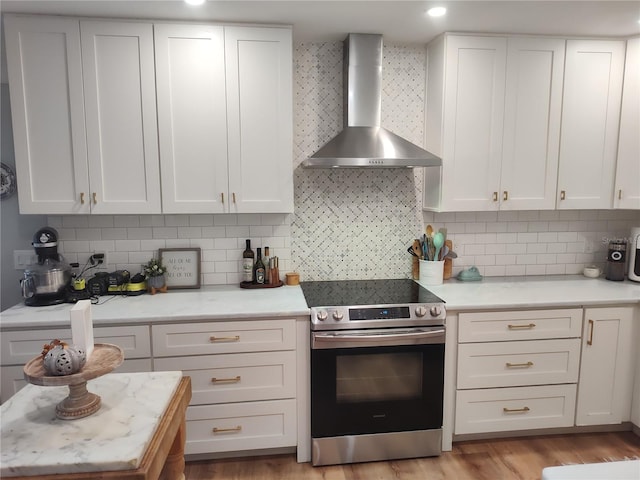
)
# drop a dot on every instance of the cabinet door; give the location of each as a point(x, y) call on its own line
point(119, 87)
point(605, 387)
point(259, 111)
point(473, 121)
point(627, 189)
point(192, 118)
point(590, 119)
point(531, 136)
point(45, 78)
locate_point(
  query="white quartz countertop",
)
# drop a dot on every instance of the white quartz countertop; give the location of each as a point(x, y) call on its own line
point(534, 291)
point(36, 442)
point(232, 302)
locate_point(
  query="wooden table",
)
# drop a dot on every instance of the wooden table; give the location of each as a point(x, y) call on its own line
point(162, 456)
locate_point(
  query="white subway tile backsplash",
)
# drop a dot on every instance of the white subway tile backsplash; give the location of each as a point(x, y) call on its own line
point(202, 243)
point(165, 232)
point(214, 232)
point(152, 221)
point(176, 220)
point(114, 233)
point(100, 221)
point(127, 246)
point(236, 231)
point(201, 220)
point(527, 237)
point(190, 232)
point(228, 243)
point(75, 221)
point(535, 270)
point(126, 221)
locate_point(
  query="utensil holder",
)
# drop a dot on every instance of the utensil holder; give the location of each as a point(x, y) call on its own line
point(431, 272)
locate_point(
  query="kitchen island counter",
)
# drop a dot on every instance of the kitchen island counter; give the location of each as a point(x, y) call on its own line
point(205, 304)
point(535, 291)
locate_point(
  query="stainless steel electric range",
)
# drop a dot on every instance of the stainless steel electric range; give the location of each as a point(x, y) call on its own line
point(377, 370)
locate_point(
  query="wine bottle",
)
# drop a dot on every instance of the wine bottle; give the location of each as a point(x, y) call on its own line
point(247, 263)
point(258, 268)
point(265, 260)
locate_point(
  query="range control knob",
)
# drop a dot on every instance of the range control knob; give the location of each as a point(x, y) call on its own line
point(337, 316)
point(321, 315)
point(421, 311)
point(435, 311)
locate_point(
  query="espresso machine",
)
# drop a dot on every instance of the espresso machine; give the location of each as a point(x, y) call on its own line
point(46, 282)
point(634, 255)
point(616, 260)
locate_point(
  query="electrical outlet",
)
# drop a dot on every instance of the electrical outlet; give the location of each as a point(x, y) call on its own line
point(99, 259)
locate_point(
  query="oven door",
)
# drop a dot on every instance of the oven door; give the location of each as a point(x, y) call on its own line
point(376, 381)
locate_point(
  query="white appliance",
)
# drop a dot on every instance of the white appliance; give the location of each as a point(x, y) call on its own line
point(634, 255)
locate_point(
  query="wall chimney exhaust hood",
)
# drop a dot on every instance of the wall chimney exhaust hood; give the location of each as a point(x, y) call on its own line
point(364, 143)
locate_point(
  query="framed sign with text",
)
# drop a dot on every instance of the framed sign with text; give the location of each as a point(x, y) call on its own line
point(183, 267)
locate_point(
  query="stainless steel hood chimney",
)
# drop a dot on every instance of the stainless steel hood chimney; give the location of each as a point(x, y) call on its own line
point(364, 143)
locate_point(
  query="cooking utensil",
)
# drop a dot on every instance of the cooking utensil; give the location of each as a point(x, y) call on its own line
point(429, 231)
point(438, 242)
point(410, 250)
point(417, 248)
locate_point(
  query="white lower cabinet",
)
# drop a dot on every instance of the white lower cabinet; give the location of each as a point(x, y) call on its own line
point(20, 346)
point(532, 369)
point(522, 408)
point(517, 370)
point(607, 368)
point(243, 376)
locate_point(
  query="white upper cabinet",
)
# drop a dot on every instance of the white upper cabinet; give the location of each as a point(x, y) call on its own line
point(47, 107)
point(493, 114)
point(83, 106)
point(225, 118)
point(122, 135)
point(590, 119)
point(260, 119)
point(627, 185)
point(465, 109)
point(192, 118)
point(531, 135)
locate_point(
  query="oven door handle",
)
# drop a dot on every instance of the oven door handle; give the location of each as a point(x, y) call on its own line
point(377, 339)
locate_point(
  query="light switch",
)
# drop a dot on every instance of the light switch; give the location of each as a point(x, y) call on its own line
point(23, 258)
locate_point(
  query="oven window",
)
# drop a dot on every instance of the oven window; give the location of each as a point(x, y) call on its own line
point(379, 377)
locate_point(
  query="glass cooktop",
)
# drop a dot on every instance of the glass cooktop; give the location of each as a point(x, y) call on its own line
point(338, 293)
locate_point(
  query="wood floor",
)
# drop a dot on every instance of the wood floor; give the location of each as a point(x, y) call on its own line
point(502, 459)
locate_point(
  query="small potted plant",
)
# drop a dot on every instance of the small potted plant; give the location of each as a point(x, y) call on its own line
point(154, 272)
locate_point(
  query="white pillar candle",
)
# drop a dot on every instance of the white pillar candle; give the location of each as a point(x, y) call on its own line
point(82, 326)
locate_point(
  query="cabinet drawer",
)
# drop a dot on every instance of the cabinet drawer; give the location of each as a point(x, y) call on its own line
point(20, 346)
point(12, 377)
point(238, 377)
point(511, 364)
point(519, 325)
point(520, 408)
point(223, 337)
point(242, 426)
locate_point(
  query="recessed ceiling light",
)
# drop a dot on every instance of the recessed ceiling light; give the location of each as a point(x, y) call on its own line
point(436, 11)
point(194, 2)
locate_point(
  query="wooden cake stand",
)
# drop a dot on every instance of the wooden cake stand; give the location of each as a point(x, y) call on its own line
point(80, 402)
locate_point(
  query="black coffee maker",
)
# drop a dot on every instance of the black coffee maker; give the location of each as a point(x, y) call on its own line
point(616, 260)
point(46, 282)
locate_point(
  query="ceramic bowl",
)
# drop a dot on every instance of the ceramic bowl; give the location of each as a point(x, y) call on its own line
point(591, 271)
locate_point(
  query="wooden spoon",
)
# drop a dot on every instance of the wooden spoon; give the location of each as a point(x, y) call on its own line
point(429, 231)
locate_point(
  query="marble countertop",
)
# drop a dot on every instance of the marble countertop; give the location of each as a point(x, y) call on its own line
point(36, 442)
point(535, 291)
point(207, 303)
point(233, 302)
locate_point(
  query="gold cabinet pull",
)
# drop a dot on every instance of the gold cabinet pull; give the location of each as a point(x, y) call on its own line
point(522, 327)
point(620, 194)
point(224, 339)
point(563, 194)
point(82, 198)
point(222, 195)
point(95, 198)
point(226, 380)
point(519, 365)
point(495, 196)
point(515, 410)
point(505, 195)
point(234, 197)
point(222, 430)
point(591, 326)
